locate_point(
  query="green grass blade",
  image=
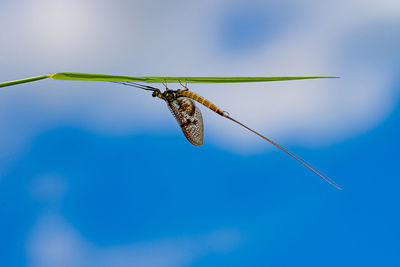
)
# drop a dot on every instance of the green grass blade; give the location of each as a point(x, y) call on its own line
point(26, 80)
point(154, 79)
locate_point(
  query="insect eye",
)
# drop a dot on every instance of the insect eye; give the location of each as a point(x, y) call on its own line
point(156, 93)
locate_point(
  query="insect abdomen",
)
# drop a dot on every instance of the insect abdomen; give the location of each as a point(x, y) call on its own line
point(202, 101)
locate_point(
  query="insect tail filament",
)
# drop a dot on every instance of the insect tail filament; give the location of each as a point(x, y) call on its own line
point(300, 160)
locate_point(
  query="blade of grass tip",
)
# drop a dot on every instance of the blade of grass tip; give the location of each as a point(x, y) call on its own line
point(26, 80)
point(232, 79)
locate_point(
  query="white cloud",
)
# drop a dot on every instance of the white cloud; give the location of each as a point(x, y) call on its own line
point(53, 242)
point(154, 38)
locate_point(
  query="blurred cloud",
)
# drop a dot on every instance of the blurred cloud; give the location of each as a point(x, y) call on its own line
point(244, 28)
point(209, 38)
point(53, 242)
point(77, 196)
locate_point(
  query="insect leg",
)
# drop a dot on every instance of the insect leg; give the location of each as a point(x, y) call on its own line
point(184, 86)
point(165, 85)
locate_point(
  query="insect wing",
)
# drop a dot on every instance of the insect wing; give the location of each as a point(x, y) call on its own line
point(189, 118)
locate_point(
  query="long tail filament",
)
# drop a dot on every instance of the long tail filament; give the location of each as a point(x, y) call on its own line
point(300, 160)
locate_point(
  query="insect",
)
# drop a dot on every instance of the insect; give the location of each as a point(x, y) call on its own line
point(189, 118)
point(181, 102)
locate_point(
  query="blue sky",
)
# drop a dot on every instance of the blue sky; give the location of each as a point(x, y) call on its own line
point(97, 174)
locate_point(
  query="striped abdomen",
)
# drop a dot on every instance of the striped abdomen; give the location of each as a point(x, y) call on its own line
point(201, 100)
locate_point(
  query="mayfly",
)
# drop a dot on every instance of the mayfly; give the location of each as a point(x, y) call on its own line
point(189, 118)
point(181, 102)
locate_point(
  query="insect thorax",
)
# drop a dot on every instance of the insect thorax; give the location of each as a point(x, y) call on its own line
point(167, 95)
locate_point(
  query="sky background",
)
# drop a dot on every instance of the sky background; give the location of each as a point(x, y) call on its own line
point(98, 174)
